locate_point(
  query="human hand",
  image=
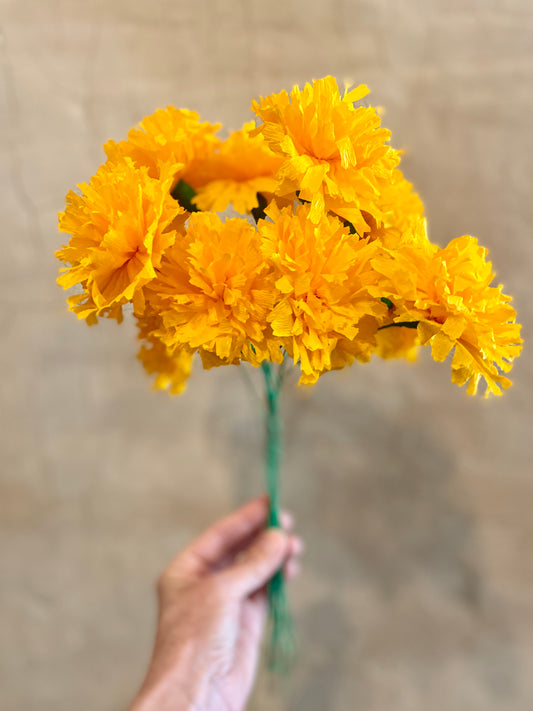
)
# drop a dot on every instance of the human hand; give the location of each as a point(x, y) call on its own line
point(212, 608)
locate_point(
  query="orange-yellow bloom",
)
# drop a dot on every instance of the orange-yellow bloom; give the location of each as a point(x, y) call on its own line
point(241, 167)
point(401, 210)
point(170, 365)
point(447, 291)
point(120, 226)
point(214, 292)
point(322, 273)
point(334, 154)
point(397, 343)
point(168, 140)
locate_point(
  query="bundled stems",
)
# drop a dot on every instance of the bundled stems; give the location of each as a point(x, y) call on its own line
point(281, 644)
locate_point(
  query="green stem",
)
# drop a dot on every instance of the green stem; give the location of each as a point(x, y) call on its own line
point(273, 442)
point(281, 648)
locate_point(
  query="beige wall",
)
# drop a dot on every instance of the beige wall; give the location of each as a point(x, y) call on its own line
point(415, 500)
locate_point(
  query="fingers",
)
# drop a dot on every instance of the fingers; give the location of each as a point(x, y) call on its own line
point(292, 567)
point(286, 520)
point(225, 536)
point(256, 567)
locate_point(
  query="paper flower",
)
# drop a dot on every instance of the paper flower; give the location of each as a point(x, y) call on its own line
point(335, 155)
point(239, 169)
point(321, 272)
point(214, 291)
point(121, 225)
point(169, 140)
point(447, 294)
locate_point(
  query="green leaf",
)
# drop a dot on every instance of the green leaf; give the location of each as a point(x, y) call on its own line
point(353, 231)
point(388, 303)
point(258, 213)
point(184, 193)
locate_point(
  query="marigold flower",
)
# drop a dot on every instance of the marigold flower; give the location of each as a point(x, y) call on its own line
point(397, 342)
point(214, 291)
point(120, 226)
point(322, 273)
point(241, 167)
point(171, 366)
point(447, 291)
point(169, 139)
point(334, 154)
point(401, 210)
point(362, 347)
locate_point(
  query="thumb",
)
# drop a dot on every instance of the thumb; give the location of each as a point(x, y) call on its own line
point(263, 558)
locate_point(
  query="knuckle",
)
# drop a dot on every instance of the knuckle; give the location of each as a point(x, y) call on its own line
point(167, 579)
point(162, 583)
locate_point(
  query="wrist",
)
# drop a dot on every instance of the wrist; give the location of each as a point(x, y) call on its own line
point(167, 694)
point(178, 687)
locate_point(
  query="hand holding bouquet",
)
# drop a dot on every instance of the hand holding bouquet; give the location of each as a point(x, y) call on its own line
point(335, 266)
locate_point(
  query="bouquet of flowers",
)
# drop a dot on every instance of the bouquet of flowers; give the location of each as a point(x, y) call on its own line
point(328, 261)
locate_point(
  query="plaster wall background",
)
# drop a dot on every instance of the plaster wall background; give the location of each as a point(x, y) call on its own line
point(414, 500)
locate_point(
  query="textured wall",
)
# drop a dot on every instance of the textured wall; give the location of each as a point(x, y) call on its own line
point(415, 500)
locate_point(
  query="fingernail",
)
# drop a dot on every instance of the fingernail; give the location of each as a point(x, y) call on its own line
point(287, 520)
point(297, 545)
point(292, 569)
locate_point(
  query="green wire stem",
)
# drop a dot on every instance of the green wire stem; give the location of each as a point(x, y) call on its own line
point(281, 647)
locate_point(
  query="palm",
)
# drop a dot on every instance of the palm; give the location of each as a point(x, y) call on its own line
point(237, 684)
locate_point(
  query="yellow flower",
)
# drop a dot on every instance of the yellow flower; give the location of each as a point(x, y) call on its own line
point(171, 366)
point(242, 166)
point(447, 291)
point(335, 155)
point(169, 139)
point(322, 273)
point(397, 343)
point(364, 344)
point(214, 291)
point(401, 210)
point(120, 226)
